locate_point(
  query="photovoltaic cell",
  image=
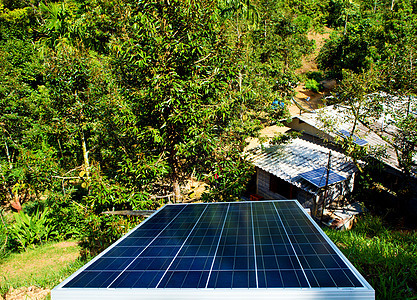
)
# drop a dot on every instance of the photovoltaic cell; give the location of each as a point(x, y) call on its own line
point(357, 140)
point(318, 177)
point(219, 247)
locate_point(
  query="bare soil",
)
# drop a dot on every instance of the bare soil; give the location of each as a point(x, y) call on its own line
point(306, 98)
point(266, 133)
point(27, 293)
point(309, 99)
point(309, 62)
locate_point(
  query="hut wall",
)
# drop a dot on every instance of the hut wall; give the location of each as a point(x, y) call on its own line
point(263, 180)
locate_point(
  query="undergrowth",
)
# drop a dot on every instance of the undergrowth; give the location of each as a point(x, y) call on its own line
point(386, 257)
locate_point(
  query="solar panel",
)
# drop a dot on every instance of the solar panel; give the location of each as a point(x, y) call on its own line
point(356, 139)
point(318, 177)
point(237, 250)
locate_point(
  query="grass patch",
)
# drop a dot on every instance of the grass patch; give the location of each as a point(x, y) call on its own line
point(386, 258)
point(44, 266)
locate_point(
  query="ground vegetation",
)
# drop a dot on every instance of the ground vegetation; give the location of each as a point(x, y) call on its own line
point(118, 105)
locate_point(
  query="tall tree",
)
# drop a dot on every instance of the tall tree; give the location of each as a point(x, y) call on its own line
point(172, 66)
point(353, 91)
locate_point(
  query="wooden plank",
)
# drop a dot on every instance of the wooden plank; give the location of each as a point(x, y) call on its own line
point(144, 213)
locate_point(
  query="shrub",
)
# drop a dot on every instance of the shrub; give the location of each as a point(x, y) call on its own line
point(313, 85)
point(31, 230)
point(100, 231)
point(4, 237)
point(66, 215)
point(316, 75)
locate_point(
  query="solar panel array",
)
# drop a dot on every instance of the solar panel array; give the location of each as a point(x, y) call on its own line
point(356, 139)
point(271, 244)
point(318, 177)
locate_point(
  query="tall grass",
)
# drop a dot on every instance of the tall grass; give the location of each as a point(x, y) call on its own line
point(387, 258)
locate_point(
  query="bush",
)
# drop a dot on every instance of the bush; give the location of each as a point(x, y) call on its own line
point(4, 237)
point(66, 215)
point(316, 75)
point(31, 230)
point(100, 231)
point(313, 85)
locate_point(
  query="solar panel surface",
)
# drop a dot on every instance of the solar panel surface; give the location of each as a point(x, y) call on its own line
point(318, 177)
point(356, 139)
point(234, 246)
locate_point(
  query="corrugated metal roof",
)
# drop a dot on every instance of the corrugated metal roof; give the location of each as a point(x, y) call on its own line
point(341, 119)
point(288, 161)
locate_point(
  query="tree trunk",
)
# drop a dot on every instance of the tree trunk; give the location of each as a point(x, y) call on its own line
point(237, 30)
point(392, 4)
point(176, 187)
point(85, 155)
point(346, 20)
point(355, 122)
point(8, 156)
point(173, 162)
point(240, 80)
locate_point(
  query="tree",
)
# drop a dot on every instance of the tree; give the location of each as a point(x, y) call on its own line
point(400, 78)
point(173, 70)
point(26, 158)
point(268, 53)
point(353, 92)
point(405, 142)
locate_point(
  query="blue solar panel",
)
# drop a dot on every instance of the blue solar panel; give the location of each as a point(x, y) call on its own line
point(318, 177)
point(254, 246)
point(356, 139)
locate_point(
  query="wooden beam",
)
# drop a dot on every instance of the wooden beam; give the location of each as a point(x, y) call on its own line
point(144, 213)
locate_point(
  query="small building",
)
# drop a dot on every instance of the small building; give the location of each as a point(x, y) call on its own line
point(298, 170)
point(334, 122)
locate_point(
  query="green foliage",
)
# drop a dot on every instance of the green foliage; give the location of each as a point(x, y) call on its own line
point(106, 104)
point(284, 138)
point(4, 237)
point(31, 230)
point(371, 226)
point(345, 52)
point(65, 216)
point(100, 231)
point(183, 111)
point(406, 142)
point(387, 258)
point(313, 85)
point(369, 40)
point(16, 22)
point(316, 75)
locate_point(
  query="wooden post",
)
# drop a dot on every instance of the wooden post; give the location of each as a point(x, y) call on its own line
point(326, 186)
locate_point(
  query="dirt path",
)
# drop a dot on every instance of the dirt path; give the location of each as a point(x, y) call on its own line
point(306, 98)
point(309, 99)
point(309, 62)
